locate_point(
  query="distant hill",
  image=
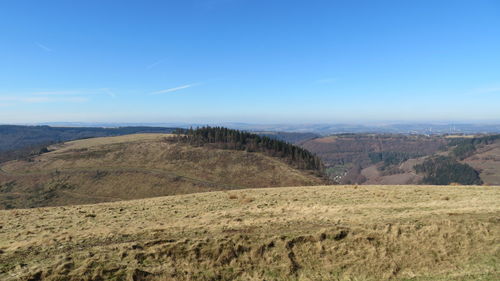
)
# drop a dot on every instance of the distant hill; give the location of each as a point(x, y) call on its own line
point(138, 166)
point(295, 138)
point(21, 141)
point(14, 137)
point(346, 155)
point(409, 159)
point(322, 129)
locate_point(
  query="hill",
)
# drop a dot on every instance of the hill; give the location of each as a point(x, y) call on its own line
point(138, 166)
point(291, 137)
point(20, 141)
point(298, 233)
point(486, 160)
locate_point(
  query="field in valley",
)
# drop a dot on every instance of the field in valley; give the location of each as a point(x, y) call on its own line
point(292, 233)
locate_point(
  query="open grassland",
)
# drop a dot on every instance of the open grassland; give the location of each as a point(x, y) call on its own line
point(137, 166)
point(96, 142)
point(296, 233)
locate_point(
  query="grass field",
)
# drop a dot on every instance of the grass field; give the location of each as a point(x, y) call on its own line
point(296, 233)
point(137, 166)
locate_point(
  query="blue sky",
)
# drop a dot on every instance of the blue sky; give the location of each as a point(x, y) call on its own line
point(249, 61)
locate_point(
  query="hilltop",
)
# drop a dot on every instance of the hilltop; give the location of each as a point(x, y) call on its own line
point(138, 166)
point(294, 233)
point(18, 142)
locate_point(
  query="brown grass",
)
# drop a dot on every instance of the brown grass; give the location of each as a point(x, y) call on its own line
point(245, 199)
point(299, 233)
point(137, 166)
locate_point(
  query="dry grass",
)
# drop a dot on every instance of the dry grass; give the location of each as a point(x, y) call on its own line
point(300, 233)
point(96, 142)
point(137, 166)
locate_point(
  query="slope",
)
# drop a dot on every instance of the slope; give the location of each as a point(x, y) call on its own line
point(136, 166)
point(20, 141)
point(300, 233)
point(486, 160)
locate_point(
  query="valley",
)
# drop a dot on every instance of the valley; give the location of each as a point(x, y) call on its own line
point(391, 159)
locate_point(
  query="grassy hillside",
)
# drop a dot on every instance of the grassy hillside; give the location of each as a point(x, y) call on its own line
point(298, 233)
point(13, 136)
point(136, 166)
point(18, 142)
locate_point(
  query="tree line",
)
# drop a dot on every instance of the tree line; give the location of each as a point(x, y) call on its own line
point(391, 157)
point(488, 139)
point(442, 170)
point(465, 147)
point(225, 138)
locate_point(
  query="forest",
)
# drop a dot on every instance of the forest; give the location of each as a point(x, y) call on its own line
point(442, 170)
point(465, 147)
point(391, 157)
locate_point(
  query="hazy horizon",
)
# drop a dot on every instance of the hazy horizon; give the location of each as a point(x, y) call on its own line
point(249, 122)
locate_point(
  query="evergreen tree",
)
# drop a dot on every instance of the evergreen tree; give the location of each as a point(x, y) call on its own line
point(221, 137)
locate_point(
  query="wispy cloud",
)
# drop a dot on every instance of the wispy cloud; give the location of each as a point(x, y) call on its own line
point(101, 91)
point(156, 63)
point(43, 47)
point(109, 92)
point(170, 90)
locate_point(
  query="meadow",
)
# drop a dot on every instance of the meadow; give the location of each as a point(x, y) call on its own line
point(289, 233)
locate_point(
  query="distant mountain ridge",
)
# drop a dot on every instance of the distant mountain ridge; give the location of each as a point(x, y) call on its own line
point(428, 128)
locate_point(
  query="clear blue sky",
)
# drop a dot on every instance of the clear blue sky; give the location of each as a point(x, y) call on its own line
point(249, 61)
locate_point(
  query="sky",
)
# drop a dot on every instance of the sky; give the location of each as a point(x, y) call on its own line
point(253, 61)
